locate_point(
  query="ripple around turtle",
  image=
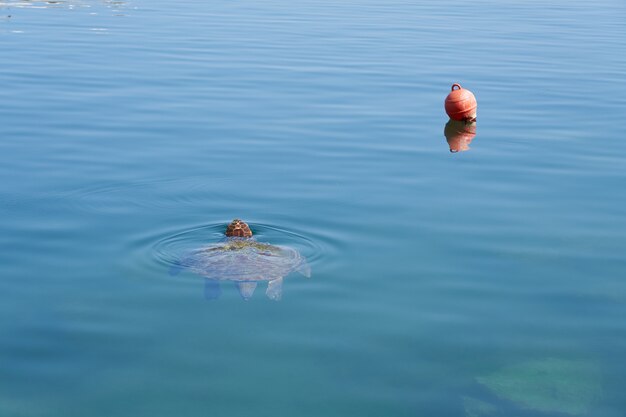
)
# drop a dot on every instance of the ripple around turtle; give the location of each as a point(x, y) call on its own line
point(169, 249)
point(160, 193)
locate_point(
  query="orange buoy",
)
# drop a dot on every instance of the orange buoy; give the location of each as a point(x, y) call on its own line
point(461, 104)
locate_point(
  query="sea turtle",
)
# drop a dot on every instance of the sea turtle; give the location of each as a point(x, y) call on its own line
point(244, 260)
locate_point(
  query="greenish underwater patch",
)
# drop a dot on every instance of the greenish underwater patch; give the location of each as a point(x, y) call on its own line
point(478, 408)
point(545, 385)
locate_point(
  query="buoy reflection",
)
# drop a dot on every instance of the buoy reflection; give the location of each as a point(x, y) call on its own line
point(459, 135)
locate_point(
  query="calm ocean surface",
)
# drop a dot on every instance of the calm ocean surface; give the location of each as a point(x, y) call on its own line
point(489, 282)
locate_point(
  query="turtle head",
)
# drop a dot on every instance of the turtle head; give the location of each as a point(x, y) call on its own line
point(238, 228)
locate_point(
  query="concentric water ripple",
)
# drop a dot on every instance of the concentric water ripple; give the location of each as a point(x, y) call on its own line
point(145, 194)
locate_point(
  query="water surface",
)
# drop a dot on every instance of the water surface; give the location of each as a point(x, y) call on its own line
point(133, 130)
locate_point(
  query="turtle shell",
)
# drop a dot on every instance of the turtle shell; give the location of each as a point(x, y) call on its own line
point(246, 262)
point(239, 259)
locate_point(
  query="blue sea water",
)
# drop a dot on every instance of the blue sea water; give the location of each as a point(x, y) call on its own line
point(134, 131)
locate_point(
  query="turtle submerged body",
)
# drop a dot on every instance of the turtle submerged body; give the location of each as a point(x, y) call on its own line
point(242, 259)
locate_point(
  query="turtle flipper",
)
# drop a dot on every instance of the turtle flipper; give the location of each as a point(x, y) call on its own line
point(246, 289)
point(212, 289)
point(275, 289)
point(305, 269)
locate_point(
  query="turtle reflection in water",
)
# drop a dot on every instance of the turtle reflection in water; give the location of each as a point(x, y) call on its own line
point(240, 258)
